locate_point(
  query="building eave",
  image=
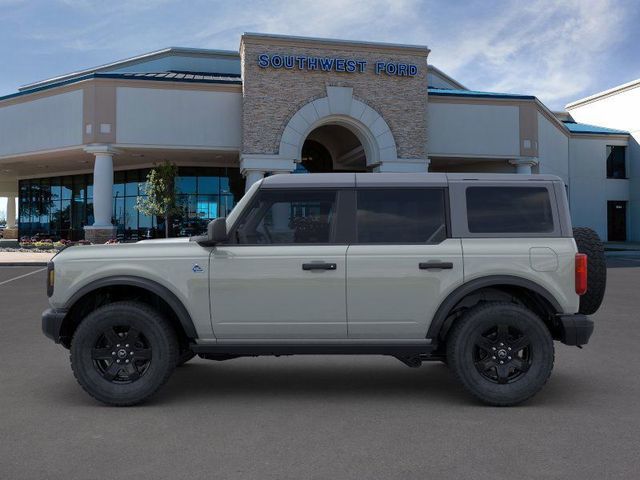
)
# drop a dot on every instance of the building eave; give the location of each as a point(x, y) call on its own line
point(605, 93)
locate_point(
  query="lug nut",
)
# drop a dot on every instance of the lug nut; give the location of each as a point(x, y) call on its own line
point(501, 344)
point(501, 362)
point(493, 348)
point(493, 358)
point(117, 361)
point(127, 345)
point(127, 360)
point(113, 353)
point(130, 353)
point(117, 345)
point(509, 348)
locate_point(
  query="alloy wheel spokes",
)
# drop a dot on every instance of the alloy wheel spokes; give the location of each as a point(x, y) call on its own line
point(121, 355)
point(502, 354)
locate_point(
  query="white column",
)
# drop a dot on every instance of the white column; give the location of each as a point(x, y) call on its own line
point(103, 190)
point(102, 228)
point(523, 165)
point(251, 177)
point(11, 211)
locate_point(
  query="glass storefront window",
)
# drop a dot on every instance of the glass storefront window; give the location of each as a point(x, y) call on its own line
point(60, 207)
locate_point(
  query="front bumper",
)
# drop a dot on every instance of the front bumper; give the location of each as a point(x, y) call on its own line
point(575, 329)
point(52, 323)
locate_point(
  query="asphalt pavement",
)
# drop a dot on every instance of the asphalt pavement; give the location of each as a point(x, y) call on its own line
point(320, 417)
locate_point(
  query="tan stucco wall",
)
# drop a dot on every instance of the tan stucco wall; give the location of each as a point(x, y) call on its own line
point(271, 96)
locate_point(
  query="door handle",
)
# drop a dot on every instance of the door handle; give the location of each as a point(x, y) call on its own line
point(435, 265)
point(319, 266)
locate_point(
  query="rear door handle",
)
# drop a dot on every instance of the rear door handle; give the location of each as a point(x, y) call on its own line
point(435, 265)
point(319, 266)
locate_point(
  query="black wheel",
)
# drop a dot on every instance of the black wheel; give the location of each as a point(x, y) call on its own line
point(123, 352)
point(184, 356)
point(501, 352)
point(589, 242)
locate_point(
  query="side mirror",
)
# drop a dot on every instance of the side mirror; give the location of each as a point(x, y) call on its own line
point(217, 230)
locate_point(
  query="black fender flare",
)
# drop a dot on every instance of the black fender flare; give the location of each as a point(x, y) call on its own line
point(154, 287)
point(493, 280)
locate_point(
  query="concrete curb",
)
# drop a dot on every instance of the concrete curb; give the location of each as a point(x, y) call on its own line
point(23, 264)
point(622, 253)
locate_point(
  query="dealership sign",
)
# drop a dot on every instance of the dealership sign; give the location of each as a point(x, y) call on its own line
point(334, 64)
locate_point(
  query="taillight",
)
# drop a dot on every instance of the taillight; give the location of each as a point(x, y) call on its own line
point(581, 273)
point(51, 278)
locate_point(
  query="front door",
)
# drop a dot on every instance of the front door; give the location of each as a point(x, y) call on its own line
point(402, 263)
point(617, 221)
point(283, 274)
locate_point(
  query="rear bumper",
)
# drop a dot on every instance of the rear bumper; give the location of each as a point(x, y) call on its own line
point(52, 323)
point(575, 329)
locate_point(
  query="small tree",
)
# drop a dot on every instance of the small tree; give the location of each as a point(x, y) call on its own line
point(160, 194)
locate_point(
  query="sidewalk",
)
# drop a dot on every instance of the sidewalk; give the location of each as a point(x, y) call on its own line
point(19, 259)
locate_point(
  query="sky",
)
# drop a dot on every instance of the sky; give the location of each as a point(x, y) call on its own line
point(557, 50)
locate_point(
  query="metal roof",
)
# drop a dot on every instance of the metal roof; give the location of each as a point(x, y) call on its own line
point(450, 92)
point(132, 61)
point(225, 78)
point(585, 128)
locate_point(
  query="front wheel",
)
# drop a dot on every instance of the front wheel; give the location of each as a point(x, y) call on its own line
point(502, 353)
point(123, 352)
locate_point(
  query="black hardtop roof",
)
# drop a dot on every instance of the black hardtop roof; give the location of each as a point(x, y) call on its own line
point(323, 180)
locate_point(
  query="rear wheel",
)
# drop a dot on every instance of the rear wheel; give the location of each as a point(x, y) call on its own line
point(123, 352)
point(501, 352)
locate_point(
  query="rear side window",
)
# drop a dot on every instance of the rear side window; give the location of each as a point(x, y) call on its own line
point(509, 210)
point(392, 215)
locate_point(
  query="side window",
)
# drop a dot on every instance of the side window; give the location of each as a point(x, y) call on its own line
point(289, 217)
point(509, 210)
point(401, 215)
point(616, 161)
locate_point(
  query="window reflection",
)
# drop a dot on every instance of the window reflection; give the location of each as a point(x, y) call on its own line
point(60, 207)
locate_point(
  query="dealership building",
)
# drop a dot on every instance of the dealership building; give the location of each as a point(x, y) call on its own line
point(75, 149)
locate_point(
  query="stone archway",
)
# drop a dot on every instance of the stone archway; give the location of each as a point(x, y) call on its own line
point(341, 109)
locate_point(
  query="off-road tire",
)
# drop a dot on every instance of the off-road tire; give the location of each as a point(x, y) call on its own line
point(462, 349)
point(153, 328)
point(589, 242)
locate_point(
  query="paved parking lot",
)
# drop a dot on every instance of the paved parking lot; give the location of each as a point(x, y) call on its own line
point(320, 417)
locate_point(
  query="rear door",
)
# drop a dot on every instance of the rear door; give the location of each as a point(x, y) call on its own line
point(402, 263)
point(283, 277)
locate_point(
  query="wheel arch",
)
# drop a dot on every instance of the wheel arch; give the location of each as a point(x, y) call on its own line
point(507, 283)
point(78, 303)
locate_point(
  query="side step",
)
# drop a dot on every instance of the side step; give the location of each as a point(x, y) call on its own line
point(400, 350)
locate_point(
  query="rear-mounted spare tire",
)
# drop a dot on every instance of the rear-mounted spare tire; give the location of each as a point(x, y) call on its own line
point(589, 243)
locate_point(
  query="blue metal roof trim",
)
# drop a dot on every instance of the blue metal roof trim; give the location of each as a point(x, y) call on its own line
point(447, 92)
point(575, 127)
point(162, 77)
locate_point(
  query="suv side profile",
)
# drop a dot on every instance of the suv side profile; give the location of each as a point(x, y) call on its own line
point(482, 272)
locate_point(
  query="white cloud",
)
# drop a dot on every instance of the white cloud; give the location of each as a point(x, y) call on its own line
point(542, 47)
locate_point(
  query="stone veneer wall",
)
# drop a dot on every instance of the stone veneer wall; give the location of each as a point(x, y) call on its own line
point(271, 96)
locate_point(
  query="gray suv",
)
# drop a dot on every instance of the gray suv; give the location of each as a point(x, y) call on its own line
point(482, 272)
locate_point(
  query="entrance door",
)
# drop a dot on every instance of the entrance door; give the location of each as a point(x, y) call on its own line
point(617, 221)
point(284, 276)
point(402, 263)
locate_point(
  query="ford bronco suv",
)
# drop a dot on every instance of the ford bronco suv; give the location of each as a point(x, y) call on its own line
point(480, 271)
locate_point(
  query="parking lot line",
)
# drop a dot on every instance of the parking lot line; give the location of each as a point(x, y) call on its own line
point(22, 276)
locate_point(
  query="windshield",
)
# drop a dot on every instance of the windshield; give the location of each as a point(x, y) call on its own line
point(240, 206)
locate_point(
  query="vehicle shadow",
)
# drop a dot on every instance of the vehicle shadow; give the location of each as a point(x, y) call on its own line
point(310, 378)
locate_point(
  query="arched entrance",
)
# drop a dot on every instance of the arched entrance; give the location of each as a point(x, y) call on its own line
point(338, 133)
point(332, 148)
